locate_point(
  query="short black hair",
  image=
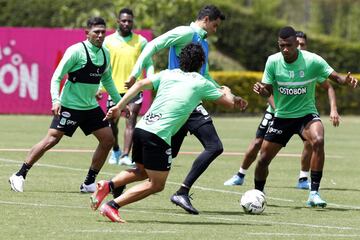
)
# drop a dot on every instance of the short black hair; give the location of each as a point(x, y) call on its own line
point(192, 57)
point(127, 11)
point(212, 12)
point(93, 21)
point(287, 32)
point(301, 34)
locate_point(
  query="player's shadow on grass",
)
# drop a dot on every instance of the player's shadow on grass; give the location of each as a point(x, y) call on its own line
point(233, 222)
point(326, 209)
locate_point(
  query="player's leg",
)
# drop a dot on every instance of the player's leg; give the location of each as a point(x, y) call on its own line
point(314, 133)
point(303, 182)
point(211, 142)
point(52, 137)
point(267, 153)
point(116, 151)
point(252, 151)
point(92, 123)
point(130, 123)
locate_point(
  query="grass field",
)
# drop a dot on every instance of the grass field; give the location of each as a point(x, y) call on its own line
point(52, 208)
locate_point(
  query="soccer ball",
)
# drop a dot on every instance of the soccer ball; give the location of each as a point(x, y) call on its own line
point(253, 201)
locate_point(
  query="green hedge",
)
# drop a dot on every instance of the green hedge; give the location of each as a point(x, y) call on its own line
point(241, 83)
point(250, 40)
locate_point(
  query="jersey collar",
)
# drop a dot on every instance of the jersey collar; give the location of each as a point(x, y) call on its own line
point(199, 30)
point(92, 47)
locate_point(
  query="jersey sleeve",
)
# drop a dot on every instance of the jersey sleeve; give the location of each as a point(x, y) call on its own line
point(268, 75)
point(155, 79)
point(210, 91)
point(176, 36)
point(67, 62)
point(107, 81)
point(324, 69)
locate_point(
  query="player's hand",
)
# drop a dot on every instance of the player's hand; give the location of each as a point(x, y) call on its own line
point(335, 118)
point(240, 103)
point(128, 83)
point(99, 95)
point(113, 113)
point(55, 109)
point(351, 81)
point(260, 89)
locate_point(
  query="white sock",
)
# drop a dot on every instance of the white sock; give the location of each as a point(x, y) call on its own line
point(304, 174)
point(243, 171)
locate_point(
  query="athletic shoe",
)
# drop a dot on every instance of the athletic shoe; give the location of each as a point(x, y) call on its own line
point(111, 213)
point(87, 188)
point(17, 183)
point(114, 158)
point(235, 180)
point(315, 200)
point(305, 184)
point(126, 160)
point(102, 190)
point(183, 201)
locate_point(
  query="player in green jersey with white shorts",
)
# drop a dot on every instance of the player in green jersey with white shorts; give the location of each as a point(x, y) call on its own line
point(179, 91)
point(87, 64)
point(291, 76)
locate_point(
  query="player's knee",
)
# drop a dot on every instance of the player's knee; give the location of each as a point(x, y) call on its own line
point(157, 186)
point(108, 141)
point(257, 143)
point(318, 143)
point(215, 148)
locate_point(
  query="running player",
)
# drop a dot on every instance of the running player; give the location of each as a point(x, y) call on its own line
point(199, 123)
point(291, 76)
point(125, 47)
point(254, 147)
point(179, 91)
point(87, 64)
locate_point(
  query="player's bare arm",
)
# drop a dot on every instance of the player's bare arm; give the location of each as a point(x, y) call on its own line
point(348, 79)
point(263, 89)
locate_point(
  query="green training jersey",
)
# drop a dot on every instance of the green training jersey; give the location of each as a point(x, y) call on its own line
point(294, 84)
point(81, 96)
point(178, 93)
point(178, 38)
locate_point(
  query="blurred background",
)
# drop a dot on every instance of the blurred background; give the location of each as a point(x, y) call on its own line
point(243, 42)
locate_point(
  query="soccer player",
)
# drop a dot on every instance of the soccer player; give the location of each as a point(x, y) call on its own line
point(291, 76)
point(87, 64)
point(125, 47)
point(254, 147)
point(179, 91)
point(199, 123)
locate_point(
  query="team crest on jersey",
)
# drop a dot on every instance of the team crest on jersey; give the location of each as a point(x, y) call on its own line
point(301, 74)
point(150, 118)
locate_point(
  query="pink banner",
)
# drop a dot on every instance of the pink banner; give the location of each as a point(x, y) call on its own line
point(28, 58)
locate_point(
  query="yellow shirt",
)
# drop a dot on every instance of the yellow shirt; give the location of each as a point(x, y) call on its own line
point(124, 52)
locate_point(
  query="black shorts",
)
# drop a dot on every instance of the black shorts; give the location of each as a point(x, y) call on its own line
point(264, 124)
point(138, 99)
point(151, 151)
point(282, 129)
point(88, 120)
point(197, 118)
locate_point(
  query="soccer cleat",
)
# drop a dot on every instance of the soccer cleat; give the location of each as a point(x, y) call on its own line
point(126, 160)
point(315, 200)
point(17, 183)
point(87, 188)
point(102, 190)
point(235, 180)
point(111, 213)
point(305, 184)
point(183, 201)
point(114, 158)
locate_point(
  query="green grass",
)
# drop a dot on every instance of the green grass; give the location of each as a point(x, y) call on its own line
point(52, 208)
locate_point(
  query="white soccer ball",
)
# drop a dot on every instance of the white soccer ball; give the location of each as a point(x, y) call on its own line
point(253, 201)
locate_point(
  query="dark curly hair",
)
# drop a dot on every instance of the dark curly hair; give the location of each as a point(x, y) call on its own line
point(192, 57)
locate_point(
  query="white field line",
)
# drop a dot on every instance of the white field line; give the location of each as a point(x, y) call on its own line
point(236, 219)
point(294, 155)
point(175, 183)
